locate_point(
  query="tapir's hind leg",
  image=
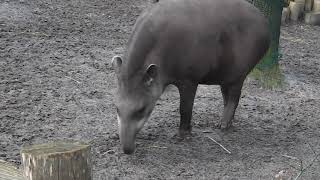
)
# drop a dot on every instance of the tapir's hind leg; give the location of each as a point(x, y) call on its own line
point(187, 91)
point(231, 94)
point(224, 92)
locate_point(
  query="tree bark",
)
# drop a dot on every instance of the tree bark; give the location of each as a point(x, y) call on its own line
point(57, 161)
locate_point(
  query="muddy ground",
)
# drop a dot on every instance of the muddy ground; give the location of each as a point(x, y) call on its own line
point(56, 83)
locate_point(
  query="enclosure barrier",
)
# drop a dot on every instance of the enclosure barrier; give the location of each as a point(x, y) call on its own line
point(272, 9)
point(267, 70)
point(52, 161)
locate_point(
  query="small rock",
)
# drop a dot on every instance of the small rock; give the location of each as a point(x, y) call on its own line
point(37, 11)
point(114, 136)
point(280, 174)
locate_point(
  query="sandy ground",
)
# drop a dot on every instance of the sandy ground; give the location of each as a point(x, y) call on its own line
point(56, 83)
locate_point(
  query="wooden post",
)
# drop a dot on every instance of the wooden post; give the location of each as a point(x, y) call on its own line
point(312, 18)
point(316, 5)
point(295, 10)
point(309, 5)
point(54, 161)
point(9, 172)
point(285, 15)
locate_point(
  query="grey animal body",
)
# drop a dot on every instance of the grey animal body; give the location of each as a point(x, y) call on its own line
point(187, 43)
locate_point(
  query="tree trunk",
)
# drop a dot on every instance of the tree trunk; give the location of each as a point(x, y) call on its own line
point(56, 161)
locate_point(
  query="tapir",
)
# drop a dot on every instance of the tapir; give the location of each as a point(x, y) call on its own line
point(186, 43)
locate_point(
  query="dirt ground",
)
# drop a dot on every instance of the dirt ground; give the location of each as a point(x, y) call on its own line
point(56, 83)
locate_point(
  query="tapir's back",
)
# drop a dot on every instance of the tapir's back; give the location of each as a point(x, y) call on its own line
point(209, 37)
point(195, 14)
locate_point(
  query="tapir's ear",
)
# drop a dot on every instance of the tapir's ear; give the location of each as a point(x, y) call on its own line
point(116, 63)
point(151, 74)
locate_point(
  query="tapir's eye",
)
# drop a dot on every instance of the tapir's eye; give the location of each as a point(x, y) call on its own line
point(117, 110)
point(140, 112)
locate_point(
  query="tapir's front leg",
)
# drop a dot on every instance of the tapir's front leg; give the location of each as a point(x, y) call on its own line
point(187, 92)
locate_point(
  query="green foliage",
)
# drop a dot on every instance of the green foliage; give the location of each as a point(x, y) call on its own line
point(270, 78)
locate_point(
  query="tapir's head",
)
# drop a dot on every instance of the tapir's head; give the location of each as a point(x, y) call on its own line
point(135, 99)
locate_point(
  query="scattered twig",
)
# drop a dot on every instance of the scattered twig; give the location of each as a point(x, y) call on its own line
point(207, 131)
point(10, 81)
point(302, 170)
point(293, 167)
point(219, 144)
point(72, 79)
point(111, 151)
point(35, 33)
point(306, 168)
point(159, 147)
point(290, 157)
point(314, 152)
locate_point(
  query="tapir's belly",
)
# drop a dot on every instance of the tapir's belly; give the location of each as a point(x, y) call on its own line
point(221, 76)
point(210, 64)
point(212, 78)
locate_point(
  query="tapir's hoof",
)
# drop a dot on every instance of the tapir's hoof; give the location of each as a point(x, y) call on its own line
point(184, 133)
point(224, 126)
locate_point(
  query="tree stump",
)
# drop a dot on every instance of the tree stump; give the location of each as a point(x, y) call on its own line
point(309, 5)
point(312, 18)
point(285, 15)
point(316, 5)
point(295, 10)
point(54, 161)
point(9, 172)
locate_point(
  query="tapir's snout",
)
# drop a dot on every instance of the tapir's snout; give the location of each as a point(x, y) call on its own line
point(127, 139)
point(127, 131)
point(127, 142)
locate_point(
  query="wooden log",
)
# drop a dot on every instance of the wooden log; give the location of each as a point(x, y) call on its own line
point(295, 10)
point(316, 6)
point(309, 5)
point(10, 172)
point(285, 15)
point(59, 160)
point(312, 18)
point(301, 4)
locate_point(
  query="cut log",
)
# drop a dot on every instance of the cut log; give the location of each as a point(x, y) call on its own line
point(295, 10)
point(309, 5)
point(59, 160)
point(316, 6)
point(10, 172)
point(312, 18)
point(285, 15)
point(301, 4)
